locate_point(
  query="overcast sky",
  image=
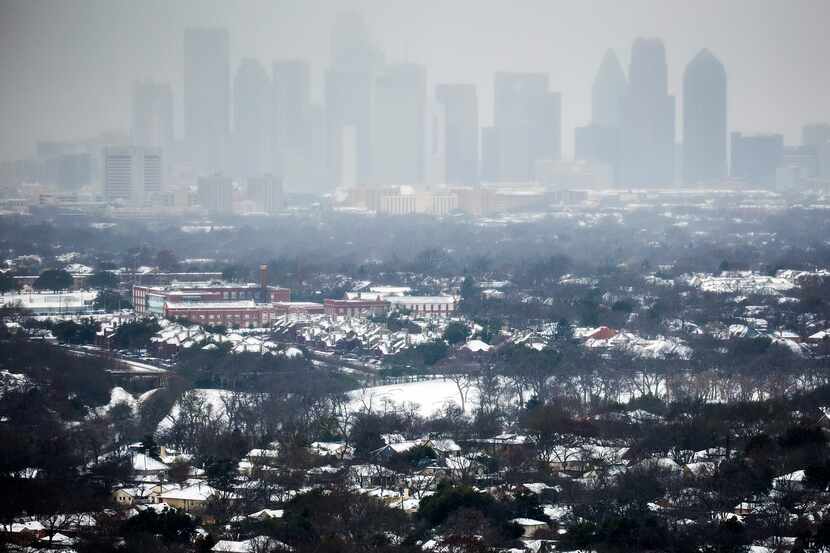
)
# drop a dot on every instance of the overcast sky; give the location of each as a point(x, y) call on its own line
point(66, 66)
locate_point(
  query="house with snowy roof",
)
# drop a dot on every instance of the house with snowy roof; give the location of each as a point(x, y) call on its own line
point(191, 498)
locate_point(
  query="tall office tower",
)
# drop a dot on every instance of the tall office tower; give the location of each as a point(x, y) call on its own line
point(528, 122)
point(599, 142)
point(207, 97)
point(266, 192)
point(292, 123)
point(349, 84)
point(460, 103)
point(216, 194)
point(251, 114)
point(152, 115)
point(607, 92)
point(704, 120)
point(397, 125)
point(755, 158)
point(648, 126)
point(132, 174)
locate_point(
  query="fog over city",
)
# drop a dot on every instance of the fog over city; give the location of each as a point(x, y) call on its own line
point(452, 276)
point(68, 67)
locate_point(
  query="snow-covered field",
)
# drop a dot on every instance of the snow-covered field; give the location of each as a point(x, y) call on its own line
point(119, 395)
point(429, 395)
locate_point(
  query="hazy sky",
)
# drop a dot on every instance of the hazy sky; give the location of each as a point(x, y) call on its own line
point(66, 66)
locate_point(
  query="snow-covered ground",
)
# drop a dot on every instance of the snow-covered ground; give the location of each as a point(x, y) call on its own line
point(10, 382)
point(429, 395)
point(119, 395)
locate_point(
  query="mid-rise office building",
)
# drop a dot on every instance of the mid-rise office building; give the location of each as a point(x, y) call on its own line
point(267, 194)
point(756, 158)
point(132, 175)
point(600, 146)
point(216, 194)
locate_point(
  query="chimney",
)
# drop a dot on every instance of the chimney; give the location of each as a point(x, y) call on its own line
point(263, 276)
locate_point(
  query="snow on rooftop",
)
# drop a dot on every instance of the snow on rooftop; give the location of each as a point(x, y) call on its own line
point(477, 346)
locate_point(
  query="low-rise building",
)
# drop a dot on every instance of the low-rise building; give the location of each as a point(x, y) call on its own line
point(48, 303)
point(424, 305)
point(355, 307)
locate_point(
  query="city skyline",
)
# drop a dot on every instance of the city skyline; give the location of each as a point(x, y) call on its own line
point(794, 103)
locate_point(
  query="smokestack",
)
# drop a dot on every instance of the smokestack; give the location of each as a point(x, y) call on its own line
point(263, 276)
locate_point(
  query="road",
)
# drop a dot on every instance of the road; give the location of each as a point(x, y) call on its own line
point(125, 365)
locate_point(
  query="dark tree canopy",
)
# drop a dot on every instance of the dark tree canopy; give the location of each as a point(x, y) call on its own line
point(53, 279)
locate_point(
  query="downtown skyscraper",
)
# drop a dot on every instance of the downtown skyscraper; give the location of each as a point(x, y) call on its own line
point(251, 114)
point(152, 115)
point(207, 97)
point(527, 122)
point(704, 120)
point(348, 95)
point(460, 112)
point(608, 91)
point(599, 142)
point(292, 123)
point(648, 119)
point(398, 125)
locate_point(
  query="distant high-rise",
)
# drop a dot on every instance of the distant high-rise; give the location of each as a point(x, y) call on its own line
point(600, 145)
point(599, 142)
point(460, 103)
point(152, 115)
point(351, 43)
point(207, 97)
point(132, 174)
point(608, 91)
point(348, 93)
point(216, 194)
point(815, 134)
point(755, 158)
point(398, 125)
point(648, 119)
point(251, 113)
point(292, 122)
point(817, 137)
point(528, 124)
point(704, 120)
point(266, 192)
